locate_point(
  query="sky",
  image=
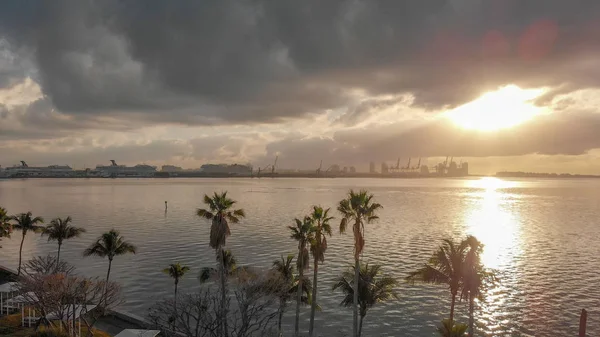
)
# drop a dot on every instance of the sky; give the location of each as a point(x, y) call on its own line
point(503, 84)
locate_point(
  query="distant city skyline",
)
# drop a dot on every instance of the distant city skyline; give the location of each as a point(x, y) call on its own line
point(504, 85)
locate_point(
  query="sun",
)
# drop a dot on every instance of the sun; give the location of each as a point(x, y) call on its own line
point(501, 109)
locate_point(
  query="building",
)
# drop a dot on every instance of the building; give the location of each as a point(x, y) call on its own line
point(334, 168)
point(352, 169)
point(235, 169)
point(372, 167)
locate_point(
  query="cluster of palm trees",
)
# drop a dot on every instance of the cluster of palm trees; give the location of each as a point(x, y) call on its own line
point(109, 244)
point(457, 265)
point(58, 230)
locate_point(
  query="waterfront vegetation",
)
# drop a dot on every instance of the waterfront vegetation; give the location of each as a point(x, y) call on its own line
point(240, 301)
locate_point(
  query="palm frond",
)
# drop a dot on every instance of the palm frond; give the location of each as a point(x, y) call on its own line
point(373, 287)
point(110, 244)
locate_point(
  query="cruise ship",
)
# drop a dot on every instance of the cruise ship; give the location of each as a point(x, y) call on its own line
point(121, 171)
point(26, 171)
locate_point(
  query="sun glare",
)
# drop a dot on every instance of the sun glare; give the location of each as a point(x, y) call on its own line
point(507, 107)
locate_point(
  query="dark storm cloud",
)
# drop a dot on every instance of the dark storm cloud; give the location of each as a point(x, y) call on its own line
point(210, 62)
point(557, 134)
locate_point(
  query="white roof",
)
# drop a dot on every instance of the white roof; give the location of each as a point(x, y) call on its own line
point(28, 297)
point(7, 287)
point(138, 333)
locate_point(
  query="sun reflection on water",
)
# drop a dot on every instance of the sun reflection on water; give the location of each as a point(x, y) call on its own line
point(493, 222)
point(493, 218)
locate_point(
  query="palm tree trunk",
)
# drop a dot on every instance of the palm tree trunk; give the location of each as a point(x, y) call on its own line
point(299, 298)
point(471, 315)
point(452, 306)
point(281, 310)
point(360, 325)
point(223, 295)
point(175, 298)
point(58, 255)
point(106, 284)
point(20, 254)
point(313, 306)
point(355, 317)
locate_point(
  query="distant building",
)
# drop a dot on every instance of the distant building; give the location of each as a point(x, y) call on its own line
point(424, 170)
point(352, 169)
point(227, 169)
point(384, 168)
point(171, 168)
point(345, 169)
point(334, 168)
point(372, 167)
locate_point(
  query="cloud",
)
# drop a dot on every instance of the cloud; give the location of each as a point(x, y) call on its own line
point(219, 62)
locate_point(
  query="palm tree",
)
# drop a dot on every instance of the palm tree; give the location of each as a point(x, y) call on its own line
point(359, 209)
point(373, 288)
point(24, 222)
point(60, 230)
point(476, 278)
point(444, 267)
point(303, 232)
point(285, 273)
point(220, 213)
point(176, 271)
point(231, 268)
point(5, 226)
point(318, 246)
point(109, 245)
point(451, 329)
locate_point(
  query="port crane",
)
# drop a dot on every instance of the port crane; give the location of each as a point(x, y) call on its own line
point(320, 166)
point(396, 168)
point(270, 166)
point(418, 165)
point(407, 165)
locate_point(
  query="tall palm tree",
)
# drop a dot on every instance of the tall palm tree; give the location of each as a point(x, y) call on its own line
point(60, 230)
point(444, 267)
point(5, 226)
point(220, 212)
point(303, 232)
point(25, 222)
point(176, 271)
point(318, 246)
point(476, 278)
point(373, 288)
point(359, 209)
point(285, 273)
point(109, 244)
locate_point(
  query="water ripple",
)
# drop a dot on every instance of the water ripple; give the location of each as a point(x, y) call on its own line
point(540, 235)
